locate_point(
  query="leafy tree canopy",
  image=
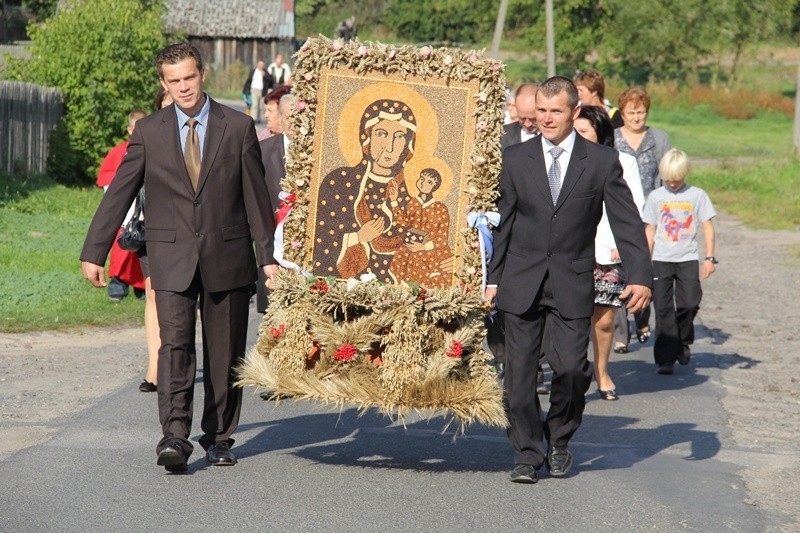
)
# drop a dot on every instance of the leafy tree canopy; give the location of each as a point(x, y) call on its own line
point(101, 54)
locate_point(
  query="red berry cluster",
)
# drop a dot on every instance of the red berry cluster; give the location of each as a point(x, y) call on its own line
point(422, 295)
point(319, 286)
point(277, 332)
point(345, 353)
point(455, 350)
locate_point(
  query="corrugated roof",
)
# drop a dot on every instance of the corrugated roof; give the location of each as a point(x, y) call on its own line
point(243, 19)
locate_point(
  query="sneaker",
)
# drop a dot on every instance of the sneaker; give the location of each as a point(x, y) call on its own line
point(685, 356)
point(524, 474)
point(665, 369)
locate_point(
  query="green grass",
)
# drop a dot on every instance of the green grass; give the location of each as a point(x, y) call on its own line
point(42, 226)
point(764, 195)
point(701, 133)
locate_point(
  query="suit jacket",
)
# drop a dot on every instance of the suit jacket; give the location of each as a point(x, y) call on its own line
point(512, 134)
point(212, 228)
point(535, 237)
point(273, 157)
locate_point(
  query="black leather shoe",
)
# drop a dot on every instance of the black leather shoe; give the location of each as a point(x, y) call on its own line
point(172, 458)
point(524, 474)
point(685, 356)
point(146, 386)
point(665, 369)
point(220, 455)
point(541, 388)
point(559, 460)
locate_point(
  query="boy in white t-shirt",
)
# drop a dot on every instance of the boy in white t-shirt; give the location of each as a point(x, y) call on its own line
point(672, 214)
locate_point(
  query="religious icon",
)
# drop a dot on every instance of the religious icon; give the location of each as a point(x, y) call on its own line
point(390, 211)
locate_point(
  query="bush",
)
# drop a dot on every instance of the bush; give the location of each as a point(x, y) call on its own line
point(101, 54)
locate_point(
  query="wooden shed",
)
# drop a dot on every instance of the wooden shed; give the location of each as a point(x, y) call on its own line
point(226, 31)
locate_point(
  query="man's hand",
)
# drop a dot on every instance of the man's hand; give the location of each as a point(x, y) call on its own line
point(638, 297)
point(270, 271)
point(371, 230)
point(488, 296)
point(96, 274)
point(708, 269)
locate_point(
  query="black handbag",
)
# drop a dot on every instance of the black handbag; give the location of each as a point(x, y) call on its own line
point(132, 237)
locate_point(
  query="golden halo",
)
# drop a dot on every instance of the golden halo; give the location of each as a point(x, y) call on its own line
point(415, 166)
point(350, 120)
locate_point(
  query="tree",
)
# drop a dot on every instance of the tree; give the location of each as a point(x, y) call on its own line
point(101, 54)
point(455, 21)
point(578, 25)
point(746, 22)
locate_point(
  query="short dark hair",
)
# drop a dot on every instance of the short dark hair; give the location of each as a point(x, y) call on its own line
point(558, 84)
point(275, 94)
point(600, 122)
point(175, 53)
point(432, 172)
point(592, 80)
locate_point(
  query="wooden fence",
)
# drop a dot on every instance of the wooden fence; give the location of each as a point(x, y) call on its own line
point(28, 113)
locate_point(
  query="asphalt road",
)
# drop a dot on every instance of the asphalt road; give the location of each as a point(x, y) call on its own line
point(659, 459)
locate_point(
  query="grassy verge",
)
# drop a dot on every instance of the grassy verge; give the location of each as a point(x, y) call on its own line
point(701, 133)
point(42, 226)
point(763, 195)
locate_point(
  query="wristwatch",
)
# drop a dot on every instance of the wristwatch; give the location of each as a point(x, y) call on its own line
point(712, 259)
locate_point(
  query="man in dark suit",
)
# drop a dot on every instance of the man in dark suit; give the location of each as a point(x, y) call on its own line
point(273, 156)
point(521, 130)
point(524, 127)
point(552, 190)
point(206, 203)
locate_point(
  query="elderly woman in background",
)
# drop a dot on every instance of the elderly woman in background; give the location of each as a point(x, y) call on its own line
point(648, 145)
point(594, 125)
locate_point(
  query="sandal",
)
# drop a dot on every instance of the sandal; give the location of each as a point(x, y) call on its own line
point(610, 395)
point(643, 335)
point(621, 348)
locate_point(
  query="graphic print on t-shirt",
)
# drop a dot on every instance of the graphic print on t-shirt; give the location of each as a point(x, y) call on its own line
point(676, 222)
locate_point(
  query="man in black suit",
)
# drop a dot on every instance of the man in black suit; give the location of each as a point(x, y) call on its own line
point(521, 130)
point(273, 156)
point(552, 190)
point(207, 203)
point(524, 127)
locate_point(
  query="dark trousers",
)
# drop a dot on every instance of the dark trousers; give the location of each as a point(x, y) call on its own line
point(224, 322)
point(622, 332)
point(566, 352)
point(262, 298)
point(642, 319)
point(676, 296)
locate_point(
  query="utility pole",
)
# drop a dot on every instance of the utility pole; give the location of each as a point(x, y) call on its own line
point(797, 115)
point(498, 28)
point(551, 39)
